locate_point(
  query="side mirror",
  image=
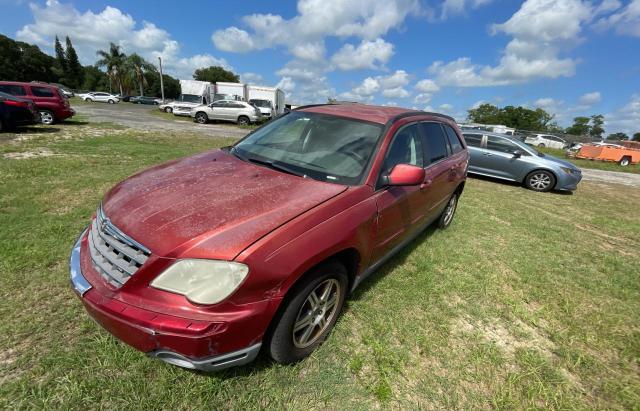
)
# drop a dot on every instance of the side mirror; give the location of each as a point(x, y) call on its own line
point(517, 153)
point(406, 175)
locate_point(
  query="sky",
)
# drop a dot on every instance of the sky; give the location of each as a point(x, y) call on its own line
point(569, 57)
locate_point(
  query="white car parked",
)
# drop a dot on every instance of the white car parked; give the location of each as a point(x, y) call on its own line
point(100, 97)
point(239, 112)
point(546, 140)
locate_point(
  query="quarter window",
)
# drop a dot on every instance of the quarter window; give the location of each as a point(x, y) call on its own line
point(435, 142)
point(473, 140)
point(454, 140)
point(406, 148)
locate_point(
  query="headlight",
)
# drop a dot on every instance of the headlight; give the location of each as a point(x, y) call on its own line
point(568, 170)
point(202, 281)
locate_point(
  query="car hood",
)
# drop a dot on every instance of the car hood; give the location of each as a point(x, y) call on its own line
point(559, 162)
point(210, 205)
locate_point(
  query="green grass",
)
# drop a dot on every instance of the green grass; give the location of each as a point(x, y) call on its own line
point(168, 116)
point(528, 300)
point(595, 164)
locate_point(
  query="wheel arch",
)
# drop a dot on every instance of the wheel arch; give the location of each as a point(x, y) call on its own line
point(548, 170)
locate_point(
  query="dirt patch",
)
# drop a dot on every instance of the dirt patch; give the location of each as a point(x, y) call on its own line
point(25, 155)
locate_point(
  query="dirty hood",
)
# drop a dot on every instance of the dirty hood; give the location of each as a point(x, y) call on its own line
point(210, 205)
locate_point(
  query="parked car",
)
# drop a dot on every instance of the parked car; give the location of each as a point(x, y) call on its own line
point(546, 140)
point(52, 105)
point(100, 97)
point(64, 89)
point(16, 111)
point(143, 100)
point(500, 156)
point(239, 112)
point(202, 261)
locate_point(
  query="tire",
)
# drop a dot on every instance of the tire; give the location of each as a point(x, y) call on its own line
point(168, 110)
point(541, 145)
point(540, 180)
point(625, 161)
point(111, 101)
point(90, 100)
point(244, 121)
point(202, 117)
point(287, 345)
point(47, 117)
point(449, 212)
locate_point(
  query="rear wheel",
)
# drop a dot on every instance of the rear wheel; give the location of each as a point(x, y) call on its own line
point(540, 180)
point(625, 161)
point(243, 120)
point(47, 117)
point(201, 117)
point(168, 110)
point(88, 99)
point(541, 145)
point(447, 215)
point(111, 101)
point(310, 314)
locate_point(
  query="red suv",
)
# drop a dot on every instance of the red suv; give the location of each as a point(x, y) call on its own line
point(204, 260)
point(52, 104)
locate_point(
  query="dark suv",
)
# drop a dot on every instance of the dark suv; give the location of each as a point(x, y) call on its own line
point(52, 104)
point(203, 260)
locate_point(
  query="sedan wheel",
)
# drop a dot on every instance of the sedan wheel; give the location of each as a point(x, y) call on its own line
point(540, 180)
point(111, 102)
point(202, 118)
point(308, 314)
point(46, 117)
point(243, 120)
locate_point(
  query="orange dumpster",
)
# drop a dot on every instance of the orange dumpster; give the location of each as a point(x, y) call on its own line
point(621, 155)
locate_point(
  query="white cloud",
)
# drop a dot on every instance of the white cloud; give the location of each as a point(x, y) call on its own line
point(427, 86)
point(456, 7)
point(91, 31)
point(445, 108)
point(305, 82)
point(422, 98)
point(626, 119)
point(399, 78)
point(367, 55)
point(251, 78)
point(624, 22)
point(590, 99)
point(396, 92)
point(391, 86)
point(233, 39)
point(549, 104)
point(540, 29)
point(309, 51)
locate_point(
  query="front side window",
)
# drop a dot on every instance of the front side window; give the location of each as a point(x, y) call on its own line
point(323, 147)
point(406, 148)
point(42, 91)
point(435, 142)
point(501, 144)
point(13, 89)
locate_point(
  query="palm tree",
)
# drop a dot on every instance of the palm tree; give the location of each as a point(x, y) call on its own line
point(136, 68)
point(114, 62)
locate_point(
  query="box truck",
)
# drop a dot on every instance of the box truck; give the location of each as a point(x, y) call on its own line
point(230, 91)
point(269, 100)
point(192, 94)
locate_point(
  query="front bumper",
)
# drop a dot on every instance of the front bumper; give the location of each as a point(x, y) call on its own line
point(193, 344)
point(568, 182)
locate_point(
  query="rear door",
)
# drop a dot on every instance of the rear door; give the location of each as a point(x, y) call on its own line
point(45, 97)
point(399, 207)
point(499, 158)
point(219, 110)
point(438, 181)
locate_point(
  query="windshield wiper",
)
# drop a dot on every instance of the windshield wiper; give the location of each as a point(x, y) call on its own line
point(275, 166)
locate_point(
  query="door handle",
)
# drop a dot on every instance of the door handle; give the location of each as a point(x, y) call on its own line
point(425, 184)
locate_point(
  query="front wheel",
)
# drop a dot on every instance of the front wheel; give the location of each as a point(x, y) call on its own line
point(309, 316)
point(540, 180)
point(111, 101)
point(243, 120)
point(89, 100)
point(47, 117)
point(168, 110)
point(625, 161)
point(541, 145)
point(450, 210)
point(202, 118)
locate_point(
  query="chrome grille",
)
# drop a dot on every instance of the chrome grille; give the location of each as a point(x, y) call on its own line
point(115, 255)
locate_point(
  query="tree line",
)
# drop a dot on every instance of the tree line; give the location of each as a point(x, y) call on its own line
point(114, 71)
point(522, 118)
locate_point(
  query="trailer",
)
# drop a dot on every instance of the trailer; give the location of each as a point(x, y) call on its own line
point(270, 100)
point(620, 154)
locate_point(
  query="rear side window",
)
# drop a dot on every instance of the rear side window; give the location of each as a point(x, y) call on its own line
point(13, 89)
point(406, 148)
point(454, 140)
point(501, 144)
point(42, 91)
point(473, 140)
point(435, 142)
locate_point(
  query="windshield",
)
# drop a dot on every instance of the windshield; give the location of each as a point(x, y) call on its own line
point(261, 103)
point(190, 98)
point(323, 147)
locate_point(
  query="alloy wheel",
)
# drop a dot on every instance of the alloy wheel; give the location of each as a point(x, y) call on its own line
point(540, 181)
point(450, 210)
point(46, 117)
point(316, 313)
point(201, 118)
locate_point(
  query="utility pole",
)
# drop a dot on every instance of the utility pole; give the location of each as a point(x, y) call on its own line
point(161, 82)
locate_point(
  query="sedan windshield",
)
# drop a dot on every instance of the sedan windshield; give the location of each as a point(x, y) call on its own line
point(323, 147)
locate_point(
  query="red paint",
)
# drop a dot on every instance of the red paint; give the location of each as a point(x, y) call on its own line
point(213, 205)
point(57, 104)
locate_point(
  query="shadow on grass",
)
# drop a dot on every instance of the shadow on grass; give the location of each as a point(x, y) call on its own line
point(513, 183)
